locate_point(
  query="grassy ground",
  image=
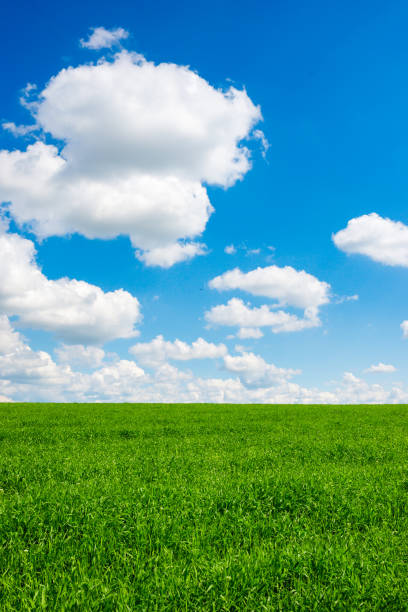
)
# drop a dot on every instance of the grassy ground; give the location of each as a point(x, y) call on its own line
point(141, 507)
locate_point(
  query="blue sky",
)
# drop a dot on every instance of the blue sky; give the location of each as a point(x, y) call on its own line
point(129, 164)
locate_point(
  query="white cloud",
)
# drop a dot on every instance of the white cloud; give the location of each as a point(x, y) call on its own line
point(354, 390)
point(33, 375)
point(20, 364)
point(341, 299)
point(101, 38)
point(249, 332)
point(288, 286)
point(80, 356)
point(74, 310)
point(18, 130)
point(236, 313)
point(262, 138)
point(139, 141)
point(26, 366)
point(10, 340)
point(254, 370)
point(156, 212)
point(232, 250)
point(166, 257)
point(253, 251)
point(381, 367)
point(379, 238)
point(160, 350)
point(116, 381)
point(274, 389)
point(404, 327)
point(28, 375)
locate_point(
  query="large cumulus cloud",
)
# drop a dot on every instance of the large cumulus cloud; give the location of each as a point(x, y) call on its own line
point(133, 146)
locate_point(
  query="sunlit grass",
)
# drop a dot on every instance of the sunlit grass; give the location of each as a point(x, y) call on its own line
point(203, 507)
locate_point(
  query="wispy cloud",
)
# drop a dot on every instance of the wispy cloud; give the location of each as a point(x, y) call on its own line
point(101, 38)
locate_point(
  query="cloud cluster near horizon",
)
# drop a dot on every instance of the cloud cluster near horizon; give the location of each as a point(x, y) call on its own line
point(35, 375)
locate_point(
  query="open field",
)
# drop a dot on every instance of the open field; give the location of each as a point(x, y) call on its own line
point(203, 507)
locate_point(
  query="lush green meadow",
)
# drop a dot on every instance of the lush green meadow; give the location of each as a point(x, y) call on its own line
point(203, 507)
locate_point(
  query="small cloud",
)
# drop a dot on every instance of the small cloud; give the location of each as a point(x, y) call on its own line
point(269, 258)
point(381, 239)
point(404, 327)
point(28, 98)
point(349, 377)
point(101, 38)
point(231, 249)
point(340, 299)
point(249, 332)
point(259, 135)
point(18, 130)
point(167, 256)
point(253, 251)
point(381, 367)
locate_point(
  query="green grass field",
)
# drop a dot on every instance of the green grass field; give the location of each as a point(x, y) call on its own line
point(203, 507)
